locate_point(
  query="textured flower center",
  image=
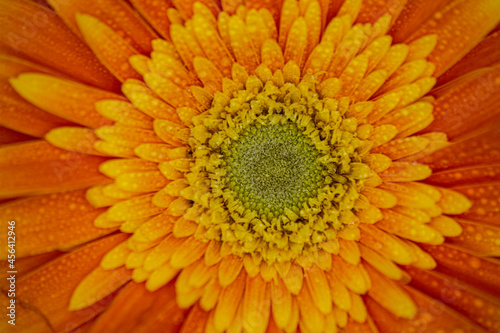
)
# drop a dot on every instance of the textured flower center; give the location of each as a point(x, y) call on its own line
point(272, 168)
point(277, 168)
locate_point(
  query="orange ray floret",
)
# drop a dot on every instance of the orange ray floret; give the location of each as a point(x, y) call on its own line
point(65, 272)
point(67, 99)
point(38, 167)
point(57, 47)
point(113, 51)
point(54, 222)
point(135, 307)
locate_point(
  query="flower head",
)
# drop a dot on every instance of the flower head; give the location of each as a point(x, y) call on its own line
point(212, 166)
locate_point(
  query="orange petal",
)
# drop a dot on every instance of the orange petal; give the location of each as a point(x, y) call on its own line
point(405, 172)
point(241, 44)
point(115, 14)
point(37, 167)
point(289, 13)
point(413, 16)
point(409, 228)
point(66, 99)
point(476, 149)
point(466, 175)
point(386, 244)
point(26, 265)
point(479, 272)
point(281, 303)
point(371, 11)
point(472, 21)
point(53, 222)
point(35, 33)
point(478, 307)
point(77, 139)
point(256, 303)
point(136, 308)
point(212, 44)
point(478, 238)
point(98, 284)
point(310, 316)
point(65, 273)
point(155, 12)
point(229, 299)
point(195, 321)
point(399, 148)
point(390, 295)
point(229, 269)
point(484, 54)
point(353, 277)
point(475, 100)
point(425, 320)
point(19, 115)
point(408, 196)
point(112, 49)
point(8, 136)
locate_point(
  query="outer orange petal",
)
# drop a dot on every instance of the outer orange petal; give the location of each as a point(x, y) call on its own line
point(68, 99)
point(59, 279)
point(466, 104)
point(486, 53)
point(37, 167)
point(432, 316)
point(466, 175)
point(112, 49)
point(413, 15)
point(471, 21)
point(372, 10)
point(136, 309)
point(8, 136)
point(51, 222)
point(477, 149)
point(35, 33)
point(24, 266)
point(15, 112)
point(479, 272)
point(114, 13)
point(478, 306)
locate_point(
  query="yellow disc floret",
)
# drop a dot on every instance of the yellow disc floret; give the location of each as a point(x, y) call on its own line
point(277, 170)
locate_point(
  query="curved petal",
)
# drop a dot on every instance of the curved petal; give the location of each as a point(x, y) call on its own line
point(58, 279)
point(114, 13)
point(38, 167)
point(136, 309)
point(37, 34)
point(51, 222)
point(471, 21)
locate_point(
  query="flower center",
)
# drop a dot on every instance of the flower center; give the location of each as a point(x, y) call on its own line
point(271, 168)
point(276, 168)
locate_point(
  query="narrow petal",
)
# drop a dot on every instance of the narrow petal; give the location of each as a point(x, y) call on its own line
point(97, 285)
point(136, 308)
point(478, 307)
point(37, 167)
point(484, 54)
point(425, 319)
point(472, 21)
point(66, 99)
point(476, 149)
point(53, 222)
point(127, 23)
point(109, 47)
point(32, 292)
point(391, 295)
point(479, 272)
point(47, 40)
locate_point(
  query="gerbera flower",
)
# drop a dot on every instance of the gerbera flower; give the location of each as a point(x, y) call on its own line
point(250, 166)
